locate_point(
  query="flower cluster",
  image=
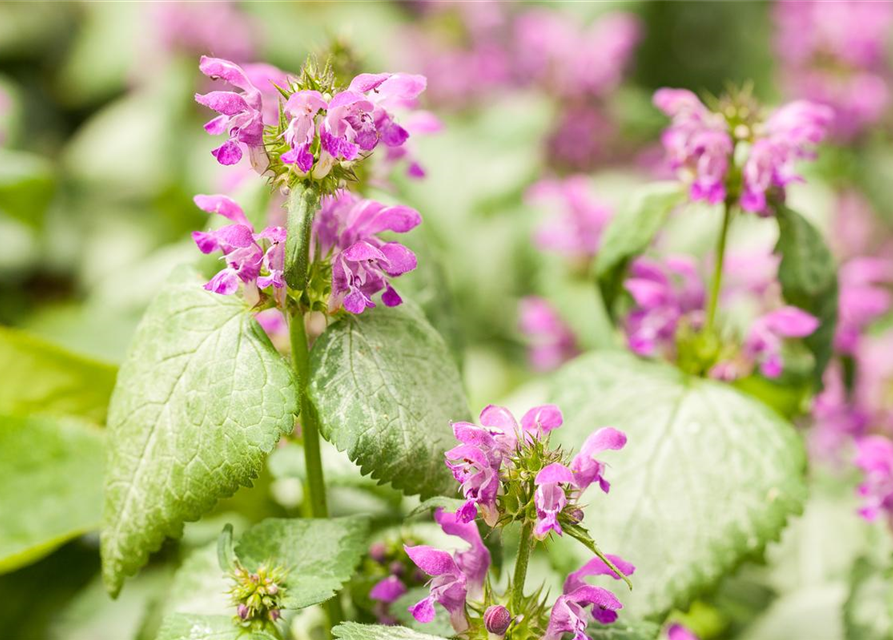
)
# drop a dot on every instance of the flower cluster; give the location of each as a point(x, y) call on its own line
point(257, 595)
point(503, 49)
point(314, 126)
point(508, 473)
point(668, 315)
point(835, 54)
point(731, 154)
point(346, 232)
point(253, 259)
point(347, 246)
point(875, 458)
point(581, 219)
point(392, 574)
point(550, 340)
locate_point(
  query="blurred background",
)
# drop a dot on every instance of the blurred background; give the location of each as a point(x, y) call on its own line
point(102, 150)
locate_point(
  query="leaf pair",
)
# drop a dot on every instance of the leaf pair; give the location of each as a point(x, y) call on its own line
point(203, 397)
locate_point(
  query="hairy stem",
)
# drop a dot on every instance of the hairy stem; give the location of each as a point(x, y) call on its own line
point(316, 486)
point(524, 549)
point(717, 270)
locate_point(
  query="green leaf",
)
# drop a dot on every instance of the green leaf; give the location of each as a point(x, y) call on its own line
point(201, 398)
point(386, 388)
point(707, 478)
point(49, 379)
point(27, 184)
point(808, 276)
point(320, 555)
point(631, 231)
point(356, 631)
point(199, 585)
point(182, 626)
point(868, 610)
point(50, 485)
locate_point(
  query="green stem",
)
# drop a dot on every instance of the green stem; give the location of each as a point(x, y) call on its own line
point(316, 486)
point(524, 549)
point(717, 270)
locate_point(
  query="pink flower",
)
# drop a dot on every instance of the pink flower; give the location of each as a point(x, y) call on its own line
point(577, 228)
point(551, 341)
point(447, 586)
point(301, 109)
point(697, 142)
point(569, 614)
point(678, 632)
point(664, 293)
point(875, 458)
point(764, 340)
point(241, 114)
point(346, 228)
point(241, 248)
point(792, 132)
point(834, 53)
point(862, 299)
point(473, 562)
point(586, 469)
point(597, 567)
point(550, 498)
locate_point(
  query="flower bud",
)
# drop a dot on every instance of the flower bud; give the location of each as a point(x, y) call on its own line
point(396, 568)
point(378, 552)
point(497, 620)
point(244, 611)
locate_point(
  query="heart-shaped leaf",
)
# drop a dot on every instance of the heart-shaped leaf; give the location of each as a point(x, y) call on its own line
point(386, 388)
point(201, 398)
point(707, 478)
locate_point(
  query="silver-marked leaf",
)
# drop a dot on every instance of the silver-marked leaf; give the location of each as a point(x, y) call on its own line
point(707, 478)
point(188, 626)
point(50, 485)
point(49, 379)
point(201, 398)
point(319, 555)
point(386, 388)
point(356, 631)
point(868, 610)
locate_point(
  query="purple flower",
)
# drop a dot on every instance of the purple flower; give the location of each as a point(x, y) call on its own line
point(834, 53)
point(348, 126)
point(474, 469)
point(791, 134)
point(764, 340)
point(862, 299)
point(678, 632)
point(242, 252)
point(551, 342)
point(241, 113)
point(539, 421)
point(837, 418)
point(569, 614)
point(474, 562)
point(597, 567)
point(550, 498)
point(388, 91)
point(346, 228)
point(874, 367)
point(447, 586)
point(585, 467)
point(664, 294)
point(300, 110)
point(697, 142)
point(576, 231)
point(388, 590)
point(874, 456)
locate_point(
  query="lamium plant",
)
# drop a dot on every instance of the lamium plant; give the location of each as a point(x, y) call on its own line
point(243, 412)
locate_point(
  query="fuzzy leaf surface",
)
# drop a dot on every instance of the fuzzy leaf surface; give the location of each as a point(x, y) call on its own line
point(201, 398)
point(386, 389)
point(707, 478)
